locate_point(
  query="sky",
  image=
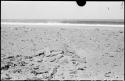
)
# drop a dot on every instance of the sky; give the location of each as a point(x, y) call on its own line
point(61, 10)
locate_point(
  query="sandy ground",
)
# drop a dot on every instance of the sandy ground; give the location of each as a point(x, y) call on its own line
point(48, 53)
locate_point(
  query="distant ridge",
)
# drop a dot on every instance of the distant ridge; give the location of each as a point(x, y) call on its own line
point(75, 21)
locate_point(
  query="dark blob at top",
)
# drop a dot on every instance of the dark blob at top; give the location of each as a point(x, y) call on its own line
point(81, 3)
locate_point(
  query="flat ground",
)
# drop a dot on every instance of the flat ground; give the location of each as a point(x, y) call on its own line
point(61, 53)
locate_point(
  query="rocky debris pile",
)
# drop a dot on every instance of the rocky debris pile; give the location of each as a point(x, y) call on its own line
point(43, 65)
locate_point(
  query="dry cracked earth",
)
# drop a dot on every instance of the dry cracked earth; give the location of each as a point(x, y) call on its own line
point(38, 53)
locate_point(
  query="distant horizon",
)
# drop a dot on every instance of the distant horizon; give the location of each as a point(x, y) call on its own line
point(79, 21)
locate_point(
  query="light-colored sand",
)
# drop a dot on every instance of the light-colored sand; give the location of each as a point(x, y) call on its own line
point(61, 53)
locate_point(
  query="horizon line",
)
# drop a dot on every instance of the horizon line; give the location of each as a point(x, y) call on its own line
point(75, 21)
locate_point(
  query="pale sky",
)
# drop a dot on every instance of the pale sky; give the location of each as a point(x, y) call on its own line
point(61, 10)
